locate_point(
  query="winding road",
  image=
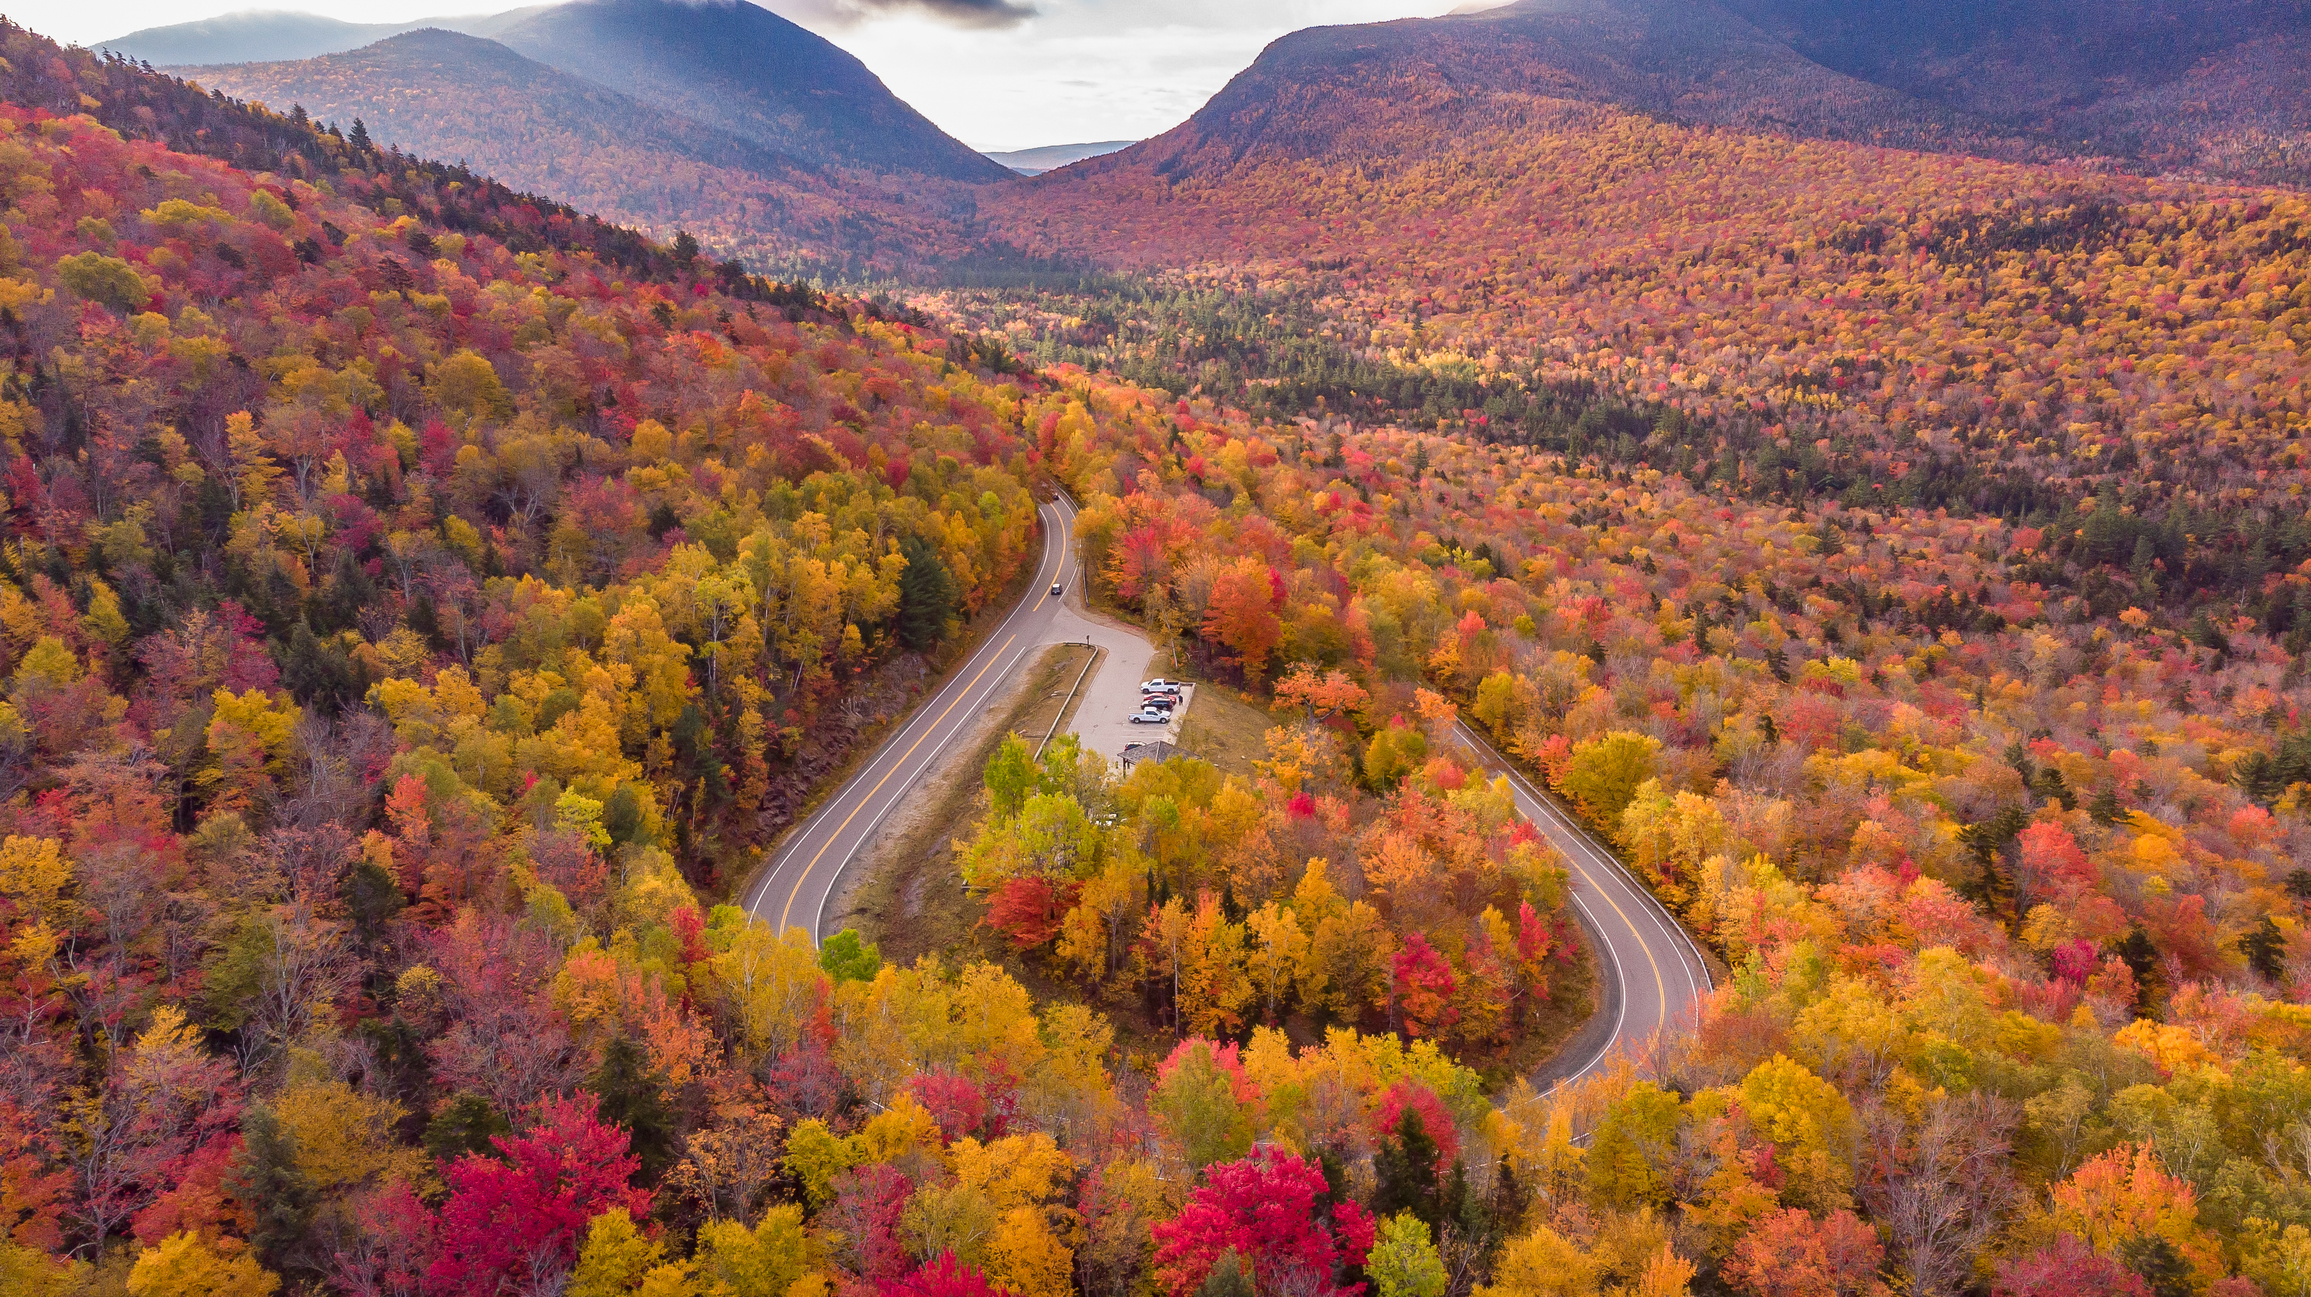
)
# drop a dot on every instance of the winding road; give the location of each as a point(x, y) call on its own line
point(1651, 973)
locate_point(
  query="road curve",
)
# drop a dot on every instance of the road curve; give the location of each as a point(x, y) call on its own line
point(794, 889)
point(1653, 975)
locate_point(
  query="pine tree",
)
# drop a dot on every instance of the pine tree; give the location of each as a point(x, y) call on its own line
point(466, 1124)
point(629, 1098)
point(1405, 1165)
point(1228, 1278)
point(278, 1194)
point(359, 139)
point(926, 595)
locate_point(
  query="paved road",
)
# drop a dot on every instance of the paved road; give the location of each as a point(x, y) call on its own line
point(1653, 976)
point(794, 890)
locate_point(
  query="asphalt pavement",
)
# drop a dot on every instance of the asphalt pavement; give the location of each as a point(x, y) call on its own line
point(807, 869)
point(1652, 975)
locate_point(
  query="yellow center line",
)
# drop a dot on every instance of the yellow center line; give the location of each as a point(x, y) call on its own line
point(1660, 988)
point(785, 913)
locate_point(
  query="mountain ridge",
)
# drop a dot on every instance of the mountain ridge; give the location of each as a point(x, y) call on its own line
point(442, 93)
point(728, 64)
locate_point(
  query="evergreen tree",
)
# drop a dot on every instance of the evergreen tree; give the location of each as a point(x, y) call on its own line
point(1405, 1165)
point(359, 139)
point(279, 1196)
point(372, 899)
point(1229, 1277)
point(629, 1098)
point(466, 1124)
point(2159, 1264)
point(2265, 947)
point(926, 595)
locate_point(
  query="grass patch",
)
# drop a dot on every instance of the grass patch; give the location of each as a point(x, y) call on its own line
point(911, 901)
point(1225, 730)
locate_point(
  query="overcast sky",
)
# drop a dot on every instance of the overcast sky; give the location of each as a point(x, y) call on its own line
point(997, 74)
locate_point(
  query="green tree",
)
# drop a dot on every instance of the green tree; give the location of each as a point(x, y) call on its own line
point(1405, 1167)
point(1197, 1105)
point(927, 594)
point(846, 957)
point(278, 1194)
point(1008, 776)
point(466, 1124)
point(1229, 1277)
point(103, 279)
point(1404, 1260)
point(629, 1092)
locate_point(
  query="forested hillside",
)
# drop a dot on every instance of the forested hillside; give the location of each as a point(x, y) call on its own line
point(548, 131)
point(1802, 320)
point(420, 603)
point(723, 120)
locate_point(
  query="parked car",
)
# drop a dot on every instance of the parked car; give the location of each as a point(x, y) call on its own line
point(1160, 686)
point(1156, 702)
point(1148, 716)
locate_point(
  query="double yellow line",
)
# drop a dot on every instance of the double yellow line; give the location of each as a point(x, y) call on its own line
point(785, 914)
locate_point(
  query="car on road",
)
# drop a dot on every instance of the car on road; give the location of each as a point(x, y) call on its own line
point(1149, 716)
point(1055, 587)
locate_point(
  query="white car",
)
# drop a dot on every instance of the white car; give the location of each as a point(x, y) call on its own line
point(1149, 716)
point(1160, 686)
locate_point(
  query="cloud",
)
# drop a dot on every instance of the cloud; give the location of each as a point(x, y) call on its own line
point(961, 13)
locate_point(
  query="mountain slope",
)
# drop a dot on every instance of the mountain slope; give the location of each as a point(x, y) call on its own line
point(2218, 85)
point(443, 94)
point(742, 68)
point(1692, 62)
point(251, 36)
point(2155, 85)
point(1051, 157)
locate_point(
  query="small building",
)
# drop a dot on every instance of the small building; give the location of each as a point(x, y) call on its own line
point(1157, 751)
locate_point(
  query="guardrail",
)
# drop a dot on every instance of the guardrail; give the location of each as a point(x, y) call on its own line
point(1062, 714)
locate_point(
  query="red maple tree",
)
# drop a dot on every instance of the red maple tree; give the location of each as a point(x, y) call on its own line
point(1273, 1210)
point(508, 1221)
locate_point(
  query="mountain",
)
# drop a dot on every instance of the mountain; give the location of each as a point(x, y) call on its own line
point(255, 35)
point(445, 94)
point(2216, 85)
point(740, 67)
point(724, 63)
point(1050, 157)
point(277, 35)
point(1682, 60)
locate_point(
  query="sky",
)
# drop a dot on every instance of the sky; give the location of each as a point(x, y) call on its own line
point(996, 74)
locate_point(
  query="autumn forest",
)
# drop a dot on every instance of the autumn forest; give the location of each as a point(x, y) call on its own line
point(424, 605)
